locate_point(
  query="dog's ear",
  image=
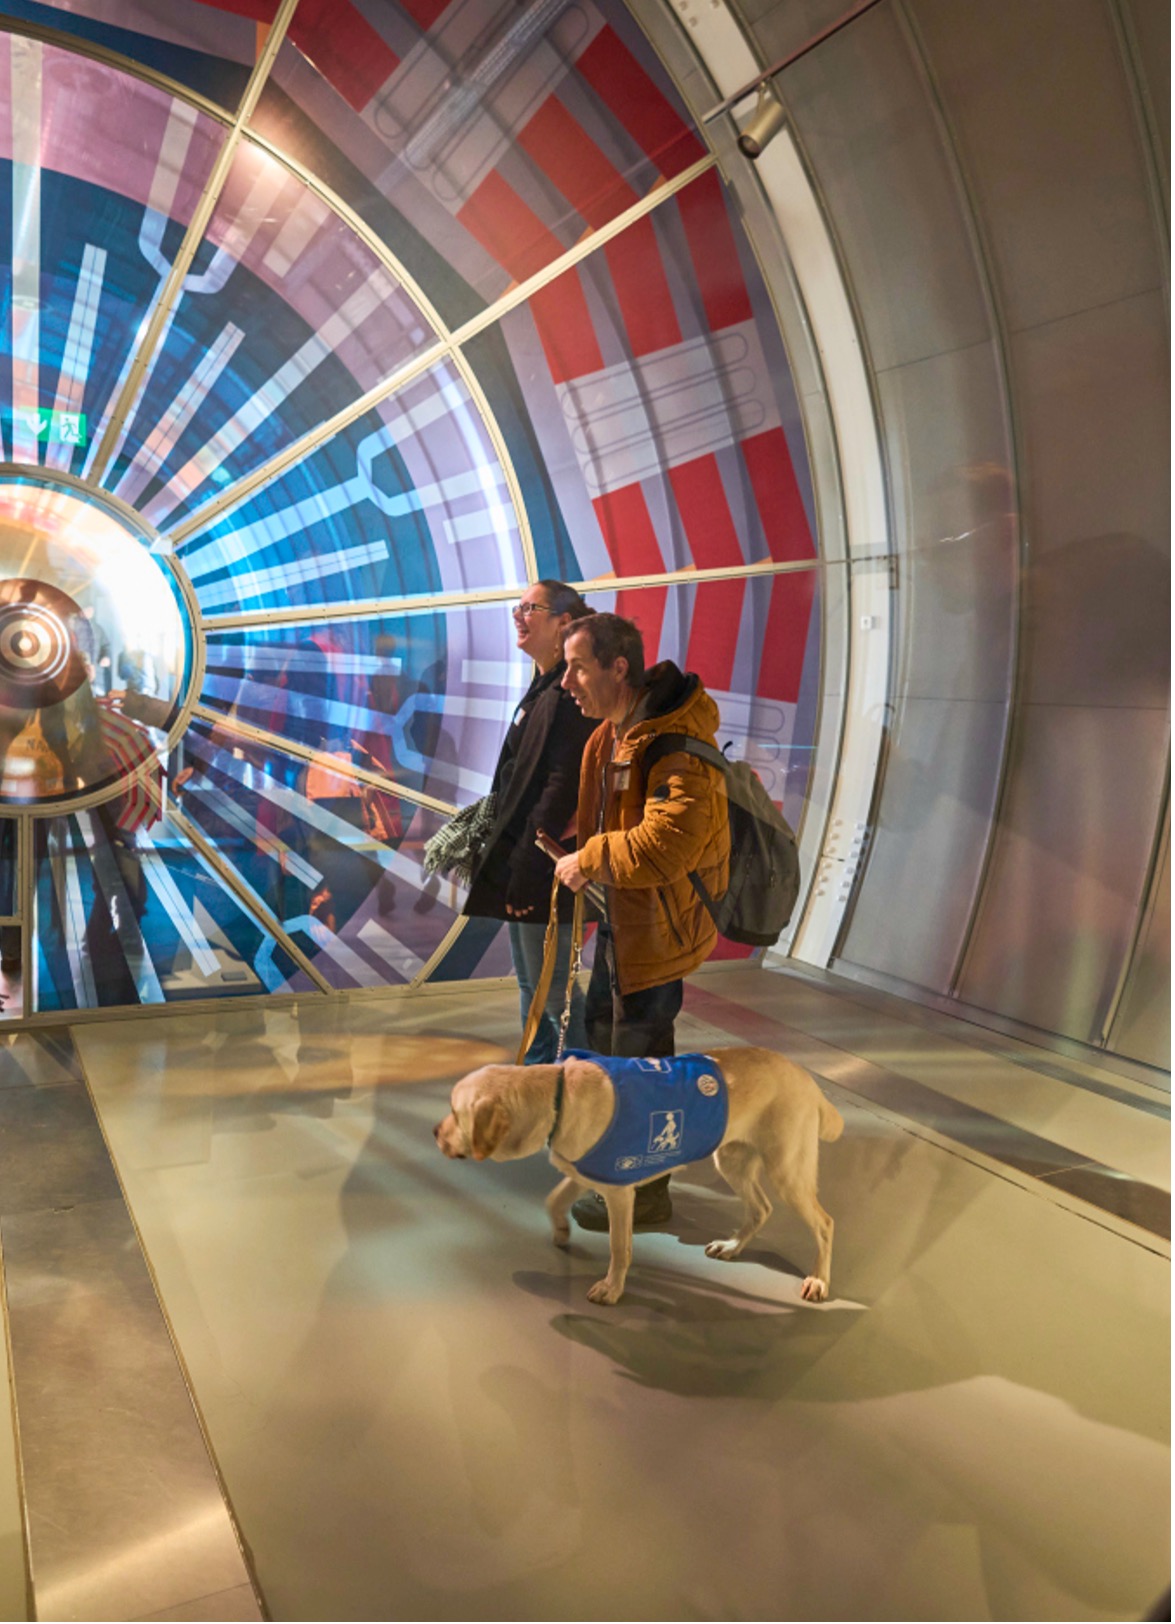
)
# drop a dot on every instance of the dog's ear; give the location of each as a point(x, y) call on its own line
point(491, 1124)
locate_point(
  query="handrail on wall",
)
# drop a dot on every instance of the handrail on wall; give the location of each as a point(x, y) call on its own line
point(786, 61)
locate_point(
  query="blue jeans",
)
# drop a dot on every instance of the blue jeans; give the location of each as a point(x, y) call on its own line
point(526, 948)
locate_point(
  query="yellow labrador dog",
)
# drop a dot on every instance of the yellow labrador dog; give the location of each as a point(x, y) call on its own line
point(776, 1118)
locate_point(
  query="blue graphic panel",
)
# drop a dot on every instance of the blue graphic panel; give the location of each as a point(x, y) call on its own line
point(337, 862)
point(424, 697)
point(8, 845)
point(409, 499)
point(197, 45)
point(290, 321)
point(480, 952)
point(95, 210)
point(139, 919)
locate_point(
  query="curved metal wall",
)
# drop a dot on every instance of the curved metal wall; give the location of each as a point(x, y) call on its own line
point(996, 180)
point(373, 313)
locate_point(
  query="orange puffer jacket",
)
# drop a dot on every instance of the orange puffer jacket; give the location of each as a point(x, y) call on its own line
point(654, 833)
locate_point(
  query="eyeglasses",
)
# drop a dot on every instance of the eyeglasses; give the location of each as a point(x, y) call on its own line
point(523, 611)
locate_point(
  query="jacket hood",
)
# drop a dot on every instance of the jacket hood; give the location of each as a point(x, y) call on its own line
point(674, 701)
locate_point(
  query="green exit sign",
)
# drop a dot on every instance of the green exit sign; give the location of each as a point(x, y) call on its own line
point(54, 428)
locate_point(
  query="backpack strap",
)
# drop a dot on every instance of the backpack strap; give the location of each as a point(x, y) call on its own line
point(672, 744)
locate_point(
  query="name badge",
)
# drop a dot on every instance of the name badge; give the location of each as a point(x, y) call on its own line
point(620, 775)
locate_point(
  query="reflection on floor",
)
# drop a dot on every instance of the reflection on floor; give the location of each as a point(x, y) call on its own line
point(417, 1413)
point(125, 1515)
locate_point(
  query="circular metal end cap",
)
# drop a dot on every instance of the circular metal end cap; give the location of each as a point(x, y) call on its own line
point(40, 662)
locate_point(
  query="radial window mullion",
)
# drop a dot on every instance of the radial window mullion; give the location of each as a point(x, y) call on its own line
point(238, 492)
point(149, 344)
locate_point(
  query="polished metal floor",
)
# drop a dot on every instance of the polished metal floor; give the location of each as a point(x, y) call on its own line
point(411, 1410)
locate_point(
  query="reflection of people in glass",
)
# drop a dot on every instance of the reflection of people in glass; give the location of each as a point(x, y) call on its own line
point(103, 670)
point(115, 887)
point(57, 738)
point(382, 811)
point(537, 787)
point(137, 672)
point(80, 733)
point(121, 899)
point(58, 750)
point(346, 872)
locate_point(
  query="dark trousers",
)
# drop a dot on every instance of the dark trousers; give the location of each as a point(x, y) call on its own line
point(634, 1024)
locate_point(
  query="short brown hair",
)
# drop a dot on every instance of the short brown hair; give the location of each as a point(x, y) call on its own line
point(565, 600)
point(613, 638)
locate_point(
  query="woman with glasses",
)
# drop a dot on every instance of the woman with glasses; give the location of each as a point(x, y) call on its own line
point(536, 785)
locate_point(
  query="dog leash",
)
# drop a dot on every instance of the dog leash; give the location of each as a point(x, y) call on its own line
point(550, 952)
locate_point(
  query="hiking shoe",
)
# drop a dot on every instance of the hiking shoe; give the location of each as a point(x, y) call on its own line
point(651, 1209)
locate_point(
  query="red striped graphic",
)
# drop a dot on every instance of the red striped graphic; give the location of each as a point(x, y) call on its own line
point(645, 606)
point(628, 532)
point(714, 543)
point(642, 289)
point(344, 47)
point(572, 161)
point(423, 12)
point(713, 251)
point(515, 236)
point(786, 637)
point(508, 229)
point(260, 11)
point(731, 950)
point(634, 550)
point(705, 513)
point(565, 327)
point(631, 96)
point(130, 747)
point(777, 496)
point(785, 525)
point(566, 153)
point(713, 635)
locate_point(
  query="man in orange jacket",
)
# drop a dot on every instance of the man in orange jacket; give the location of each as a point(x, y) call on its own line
point(641, 835)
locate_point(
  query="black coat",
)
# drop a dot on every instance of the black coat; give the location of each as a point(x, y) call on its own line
point(541, 793)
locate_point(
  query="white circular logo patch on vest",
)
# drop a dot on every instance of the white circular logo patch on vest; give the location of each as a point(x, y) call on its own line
point(708, 1085)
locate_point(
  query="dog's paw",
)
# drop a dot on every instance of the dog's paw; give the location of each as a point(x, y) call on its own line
point(814, 1290)
point(604, 1292)
point(723, 1249)
point(561, 1234)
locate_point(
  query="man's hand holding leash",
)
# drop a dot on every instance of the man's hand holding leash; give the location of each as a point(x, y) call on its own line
point(569, 873)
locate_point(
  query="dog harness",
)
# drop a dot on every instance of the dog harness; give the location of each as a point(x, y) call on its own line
point(665, 1113)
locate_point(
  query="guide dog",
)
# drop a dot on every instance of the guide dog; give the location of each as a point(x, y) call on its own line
point(776, 1118)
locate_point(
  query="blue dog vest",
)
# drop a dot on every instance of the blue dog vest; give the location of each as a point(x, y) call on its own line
point(666, 1113)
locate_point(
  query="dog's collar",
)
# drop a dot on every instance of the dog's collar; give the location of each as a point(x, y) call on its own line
point(558, 1108)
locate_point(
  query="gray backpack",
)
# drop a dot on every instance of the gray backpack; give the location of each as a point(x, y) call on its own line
point(764, 862)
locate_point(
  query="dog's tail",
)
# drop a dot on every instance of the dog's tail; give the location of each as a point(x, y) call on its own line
point(832, 1124)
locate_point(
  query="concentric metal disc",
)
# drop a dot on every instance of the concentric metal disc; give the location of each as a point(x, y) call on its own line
point(40, 662)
